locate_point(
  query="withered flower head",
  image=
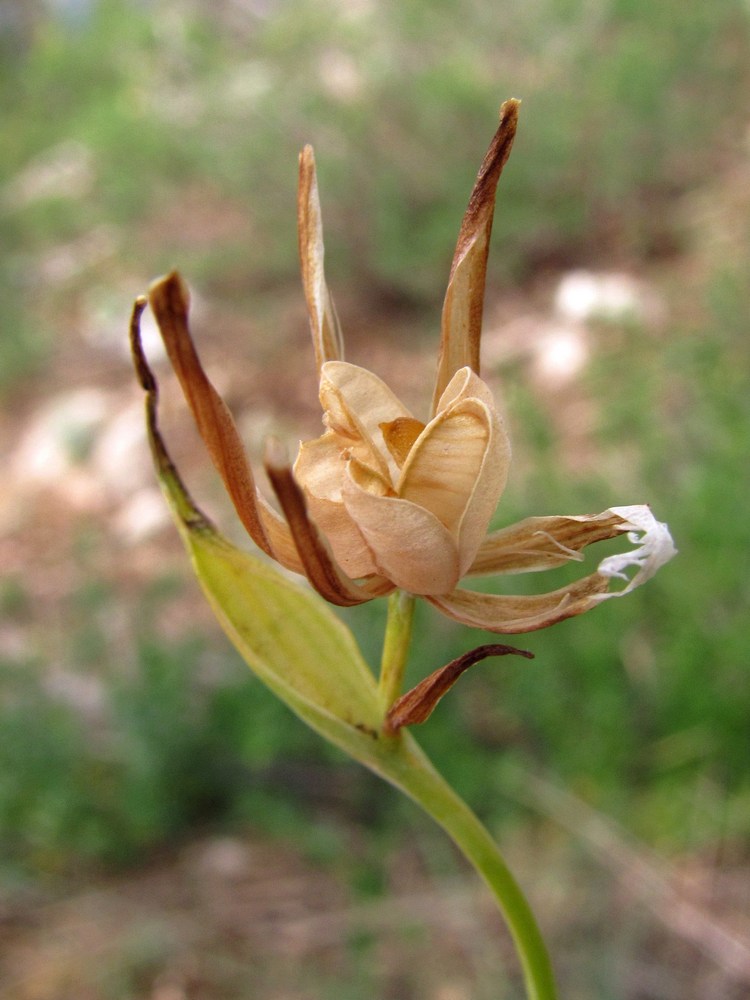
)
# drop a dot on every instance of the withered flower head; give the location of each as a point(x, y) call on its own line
point(382, 500)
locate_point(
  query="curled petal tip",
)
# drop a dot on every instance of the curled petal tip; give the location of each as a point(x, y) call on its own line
point(142, 369)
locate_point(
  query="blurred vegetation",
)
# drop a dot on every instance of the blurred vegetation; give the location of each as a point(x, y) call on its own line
point(121, 120)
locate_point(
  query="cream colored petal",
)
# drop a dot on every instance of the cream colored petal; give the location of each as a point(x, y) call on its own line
point(324, 324)
point(408, 544)
point(320, 465)
point(319, 469)
point(353, 393)
point(512, 615)
point(356, 402)
point(443, 465)
point(464, 298)
point(346, 540)
point(539, 543)
point(655, 548)
point(459, 465)
point(465, 384)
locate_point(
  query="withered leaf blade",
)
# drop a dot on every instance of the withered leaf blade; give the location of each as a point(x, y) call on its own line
point(464, 298)
point(417, 705)
point(169, 301)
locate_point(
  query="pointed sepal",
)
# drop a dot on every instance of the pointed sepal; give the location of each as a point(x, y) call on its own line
point(417, 705)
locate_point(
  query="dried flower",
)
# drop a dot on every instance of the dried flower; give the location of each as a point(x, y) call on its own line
point(382, 500)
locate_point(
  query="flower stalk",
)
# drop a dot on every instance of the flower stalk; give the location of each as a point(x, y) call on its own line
point(396, 642)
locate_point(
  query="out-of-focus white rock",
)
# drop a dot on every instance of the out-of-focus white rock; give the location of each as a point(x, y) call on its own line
point(583, 296)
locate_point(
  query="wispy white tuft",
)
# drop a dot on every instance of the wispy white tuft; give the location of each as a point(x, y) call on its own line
point(655, 547)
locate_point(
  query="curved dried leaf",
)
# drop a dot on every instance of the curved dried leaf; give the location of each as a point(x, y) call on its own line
point(169, 301)
point(417, 705)
point(464, 299)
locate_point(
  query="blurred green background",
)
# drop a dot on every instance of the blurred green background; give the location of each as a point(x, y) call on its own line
point(146, 135)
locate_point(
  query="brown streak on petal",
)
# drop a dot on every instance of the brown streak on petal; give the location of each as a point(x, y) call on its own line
point(399, 436)
point(464, 298)
point(319, 565)
point(417, 705)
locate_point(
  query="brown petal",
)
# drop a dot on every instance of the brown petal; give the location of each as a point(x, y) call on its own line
point(512, 615)
point(324, 324)
point(319, 565)
point(169, 300)
point(417, 705)
point(464, 299)
point(539, 543)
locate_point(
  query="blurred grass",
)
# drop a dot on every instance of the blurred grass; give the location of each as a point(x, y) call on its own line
point(170, 132)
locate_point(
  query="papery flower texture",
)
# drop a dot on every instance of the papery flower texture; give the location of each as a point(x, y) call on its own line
point(384, 501)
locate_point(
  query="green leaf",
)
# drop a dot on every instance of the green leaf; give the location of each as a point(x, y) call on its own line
point(297, 646)
point(288, 635)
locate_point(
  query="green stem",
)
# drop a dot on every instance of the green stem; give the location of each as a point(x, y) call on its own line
point(408, 768)
point(395, 646)
point(423, 783)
